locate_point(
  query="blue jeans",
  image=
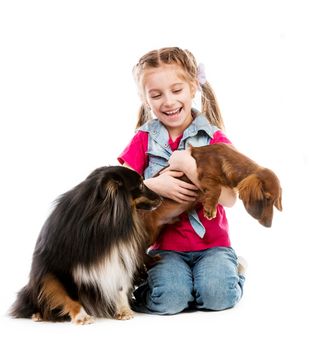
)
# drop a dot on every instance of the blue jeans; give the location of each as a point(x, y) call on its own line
point(206, 280)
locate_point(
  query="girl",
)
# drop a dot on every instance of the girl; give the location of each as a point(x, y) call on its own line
point(198, 268)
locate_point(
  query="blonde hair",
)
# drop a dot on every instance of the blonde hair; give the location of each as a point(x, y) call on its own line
point(187, 62)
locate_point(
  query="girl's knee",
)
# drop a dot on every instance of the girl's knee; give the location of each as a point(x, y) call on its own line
point(218, 294)
point(168, 301)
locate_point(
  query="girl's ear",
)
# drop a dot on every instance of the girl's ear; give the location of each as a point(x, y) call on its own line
point(145, 102)
point(142, 96)
point(194, 87)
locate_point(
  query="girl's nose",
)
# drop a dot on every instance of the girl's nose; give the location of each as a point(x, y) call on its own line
point(168, 100)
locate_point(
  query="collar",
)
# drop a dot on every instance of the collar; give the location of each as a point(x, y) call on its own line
point(199, 123)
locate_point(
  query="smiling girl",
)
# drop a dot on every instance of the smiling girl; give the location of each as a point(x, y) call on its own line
point(198, 267)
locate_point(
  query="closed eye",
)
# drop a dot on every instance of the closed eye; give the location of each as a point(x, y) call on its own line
point(155, 96)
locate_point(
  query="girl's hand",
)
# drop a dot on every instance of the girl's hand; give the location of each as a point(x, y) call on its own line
point(168, 184)
point(183, 161)
point(180, 160)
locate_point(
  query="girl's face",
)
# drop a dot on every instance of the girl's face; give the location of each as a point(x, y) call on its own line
point(169, 97)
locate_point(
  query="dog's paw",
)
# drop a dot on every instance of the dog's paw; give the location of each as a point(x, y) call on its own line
point(83, 318)
point(37, 317)
point(125, 315)
point(210, 213)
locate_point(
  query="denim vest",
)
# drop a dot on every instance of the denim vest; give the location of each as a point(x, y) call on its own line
point(198, 133)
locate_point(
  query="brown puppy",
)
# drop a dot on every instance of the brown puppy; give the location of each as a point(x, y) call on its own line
point(221, 165)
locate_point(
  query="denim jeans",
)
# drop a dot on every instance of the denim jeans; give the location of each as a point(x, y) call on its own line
point(206, 280)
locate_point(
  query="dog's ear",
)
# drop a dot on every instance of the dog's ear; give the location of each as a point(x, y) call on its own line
point(109, 186)
point(252, 194)
point(115, 200)
point(278, 202)
point(250, 189)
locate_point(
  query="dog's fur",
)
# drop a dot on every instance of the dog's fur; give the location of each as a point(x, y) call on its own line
point(221, 165)
point(89, 250)
point(166, 213)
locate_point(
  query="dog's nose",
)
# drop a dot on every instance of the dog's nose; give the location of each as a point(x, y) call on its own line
point(266, 222)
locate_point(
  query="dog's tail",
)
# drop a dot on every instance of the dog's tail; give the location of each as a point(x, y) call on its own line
point(24, 306)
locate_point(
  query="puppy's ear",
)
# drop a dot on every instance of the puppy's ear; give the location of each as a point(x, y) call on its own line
point(250, 189)
point(252, 194)
point(278, 202)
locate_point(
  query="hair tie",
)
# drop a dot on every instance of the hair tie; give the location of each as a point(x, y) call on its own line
point(201, 74)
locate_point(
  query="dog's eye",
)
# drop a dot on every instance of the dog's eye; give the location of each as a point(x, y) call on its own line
point(141, 186)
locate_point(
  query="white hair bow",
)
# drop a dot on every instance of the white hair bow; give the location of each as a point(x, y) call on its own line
point(201, 74)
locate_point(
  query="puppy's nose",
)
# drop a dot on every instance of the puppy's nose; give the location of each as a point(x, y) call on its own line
point(266, 222)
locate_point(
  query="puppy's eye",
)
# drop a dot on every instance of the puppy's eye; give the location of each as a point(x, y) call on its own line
point(141, 186)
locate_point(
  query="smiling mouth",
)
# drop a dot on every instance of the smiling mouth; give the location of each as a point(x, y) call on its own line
point(173, 113)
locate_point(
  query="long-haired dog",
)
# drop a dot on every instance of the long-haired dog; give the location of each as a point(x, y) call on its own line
point(221, 165)
point(89, 250)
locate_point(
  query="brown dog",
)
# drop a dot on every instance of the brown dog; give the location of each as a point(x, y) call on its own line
point(221, 165)
point(166, 213)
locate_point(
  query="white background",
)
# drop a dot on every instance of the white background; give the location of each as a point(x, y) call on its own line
point(68, 105)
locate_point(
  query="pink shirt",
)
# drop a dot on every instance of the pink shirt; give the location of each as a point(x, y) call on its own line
point(180, 236)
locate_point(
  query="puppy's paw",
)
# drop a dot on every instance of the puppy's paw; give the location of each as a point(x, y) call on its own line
point(125, 314)
point(210, 213)
point(83, 318)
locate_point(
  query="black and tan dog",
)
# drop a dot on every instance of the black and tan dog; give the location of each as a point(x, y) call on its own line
point(89, 250)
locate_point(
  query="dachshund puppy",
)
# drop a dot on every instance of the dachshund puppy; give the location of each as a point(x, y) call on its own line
point(89, 250)
point(221, 165)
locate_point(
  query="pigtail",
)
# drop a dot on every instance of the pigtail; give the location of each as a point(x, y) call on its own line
point(144, 115)
point(210, 106)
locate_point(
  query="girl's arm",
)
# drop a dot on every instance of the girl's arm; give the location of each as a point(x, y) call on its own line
point(183, 161)
point(170, 186)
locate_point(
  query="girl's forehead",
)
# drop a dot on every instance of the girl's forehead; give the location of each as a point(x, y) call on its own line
point(163, 76)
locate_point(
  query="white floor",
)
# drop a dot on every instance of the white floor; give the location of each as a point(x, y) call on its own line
point(266, 321)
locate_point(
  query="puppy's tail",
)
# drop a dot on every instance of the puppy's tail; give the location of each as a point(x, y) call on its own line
point(24, 306)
